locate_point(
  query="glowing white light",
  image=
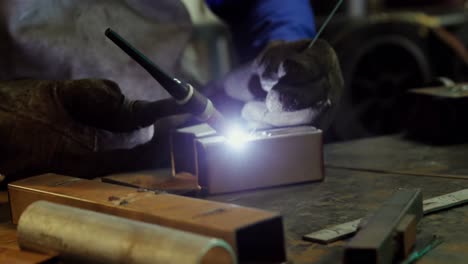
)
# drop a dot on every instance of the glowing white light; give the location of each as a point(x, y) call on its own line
point(237, 137)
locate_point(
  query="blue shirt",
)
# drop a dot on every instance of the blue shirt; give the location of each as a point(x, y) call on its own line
point(254, 23)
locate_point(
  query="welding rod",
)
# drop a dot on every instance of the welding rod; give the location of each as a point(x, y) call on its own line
point(324, 25)
point(185, 95)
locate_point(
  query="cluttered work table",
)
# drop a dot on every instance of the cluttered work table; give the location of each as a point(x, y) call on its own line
point(360, 175)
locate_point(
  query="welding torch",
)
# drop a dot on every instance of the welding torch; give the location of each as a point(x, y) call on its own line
point(185, 94)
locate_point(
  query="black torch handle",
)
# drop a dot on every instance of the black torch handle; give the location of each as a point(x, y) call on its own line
point(175, 88)
point(185, 95)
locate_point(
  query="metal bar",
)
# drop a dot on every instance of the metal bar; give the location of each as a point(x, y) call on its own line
point(375, 242)
point(337, 232)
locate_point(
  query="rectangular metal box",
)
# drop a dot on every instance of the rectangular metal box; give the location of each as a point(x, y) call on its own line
point(267, 158)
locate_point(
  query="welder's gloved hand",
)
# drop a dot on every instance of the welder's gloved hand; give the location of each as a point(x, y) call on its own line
point(303, 85)
point(101, 104)
point(83, 128)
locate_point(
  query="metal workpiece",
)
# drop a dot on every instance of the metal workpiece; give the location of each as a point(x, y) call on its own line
point(248, 161)
point(182, 150)
point(84, 236)
point(437, 115)
point(389, 233)
point(261, 159)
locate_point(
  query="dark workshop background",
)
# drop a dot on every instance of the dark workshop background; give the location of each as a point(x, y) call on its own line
point(385, 49)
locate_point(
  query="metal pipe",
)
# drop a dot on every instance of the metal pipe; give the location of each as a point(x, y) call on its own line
point(84, 236)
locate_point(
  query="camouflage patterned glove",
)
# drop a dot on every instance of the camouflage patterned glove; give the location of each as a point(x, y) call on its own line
point(303, 85)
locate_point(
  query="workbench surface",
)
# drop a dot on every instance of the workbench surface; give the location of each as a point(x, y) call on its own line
point(360, 175)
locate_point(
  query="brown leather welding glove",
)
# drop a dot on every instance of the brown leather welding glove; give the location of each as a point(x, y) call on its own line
point(101, 104)
point(83, 128)
point(303, 85)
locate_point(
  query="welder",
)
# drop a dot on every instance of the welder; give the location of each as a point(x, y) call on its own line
point(72, 103)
